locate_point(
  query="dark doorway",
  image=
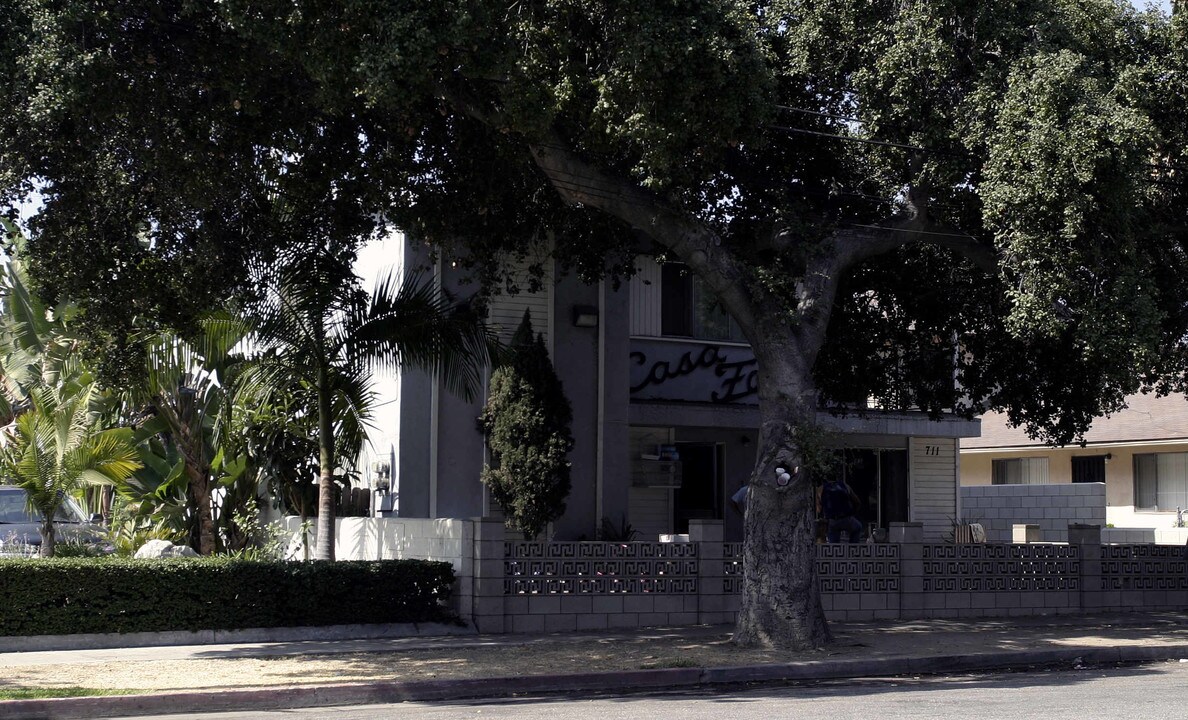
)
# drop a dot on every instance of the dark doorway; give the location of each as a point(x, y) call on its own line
point(700, 494)
point(862, 475)
point(880, 480)
point(893, 468)
point(1088, 468)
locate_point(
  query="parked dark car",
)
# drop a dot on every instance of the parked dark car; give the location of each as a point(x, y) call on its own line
point(20, 525)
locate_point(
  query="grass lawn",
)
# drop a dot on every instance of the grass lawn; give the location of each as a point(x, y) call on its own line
point(60, 692)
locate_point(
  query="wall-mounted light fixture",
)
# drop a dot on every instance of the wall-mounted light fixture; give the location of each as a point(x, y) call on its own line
point(1109, 457)
point(585, 316)
point(383, 475)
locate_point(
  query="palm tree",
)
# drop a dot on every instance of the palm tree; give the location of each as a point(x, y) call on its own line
point(190, 402)
point(319, 330)
point(57, 446)
point(36, 347)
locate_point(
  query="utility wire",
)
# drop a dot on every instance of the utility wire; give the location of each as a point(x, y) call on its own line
point(835, 136)
point(818, 113)
point(963, 236)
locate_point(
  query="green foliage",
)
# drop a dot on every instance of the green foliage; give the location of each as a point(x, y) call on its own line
point(69, 596)
point(941, 204)
point(60, 692)
point(128, 532)
point(1050, 133)
point(57, 446)
point(36, 345)
point(526, 419)
point(259, 541)
point(318, 337)
point(75, 548)
point(609, 531)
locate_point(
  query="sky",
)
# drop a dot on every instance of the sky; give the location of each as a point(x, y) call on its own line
point(1164, 5)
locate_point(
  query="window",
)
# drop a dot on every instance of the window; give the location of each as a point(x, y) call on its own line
point(1089, 468)
point(1020, 471)
point(689, 309)
point(1160, 481)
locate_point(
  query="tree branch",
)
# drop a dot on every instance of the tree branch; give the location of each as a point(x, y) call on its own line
point(700, 247)
point(861, 242)
point(579, 182)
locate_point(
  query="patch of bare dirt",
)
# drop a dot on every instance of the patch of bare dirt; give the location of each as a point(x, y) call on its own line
point(462, 662)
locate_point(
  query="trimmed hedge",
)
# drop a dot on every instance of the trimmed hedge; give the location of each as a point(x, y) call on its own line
point(63, 596)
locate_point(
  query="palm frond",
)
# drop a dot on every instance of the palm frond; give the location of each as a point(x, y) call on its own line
point(412, 323)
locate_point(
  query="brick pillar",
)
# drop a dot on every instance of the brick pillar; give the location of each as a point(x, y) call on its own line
point(710, 601)
point(706, 531)
point(1088, 539)
point(463, 600)
point(910, 538)
point(487, 604)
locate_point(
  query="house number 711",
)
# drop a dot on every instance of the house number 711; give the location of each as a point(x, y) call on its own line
point(932, 450)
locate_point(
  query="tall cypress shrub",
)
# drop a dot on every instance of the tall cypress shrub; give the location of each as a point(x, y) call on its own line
point(527, 422)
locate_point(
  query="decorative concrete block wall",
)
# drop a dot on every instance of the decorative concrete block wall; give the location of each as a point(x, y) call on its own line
point(1052, 507)
point(507, 585)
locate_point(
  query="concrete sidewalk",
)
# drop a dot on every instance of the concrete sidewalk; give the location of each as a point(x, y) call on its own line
point(353, 671)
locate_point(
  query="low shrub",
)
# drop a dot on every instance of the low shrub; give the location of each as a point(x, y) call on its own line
point(62, 596)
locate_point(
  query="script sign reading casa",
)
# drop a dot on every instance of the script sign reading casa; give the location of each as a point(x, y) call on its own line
point(693, 372)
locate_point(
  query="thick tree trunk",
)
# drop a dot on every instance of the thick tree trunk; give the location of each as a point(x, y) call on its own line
point(781, 603)
point(781, 600)
point(48, 536)
point(325, 536)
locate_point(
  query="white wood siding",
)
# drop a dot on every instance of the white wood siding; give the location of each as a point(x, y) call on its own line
point(645, 298)
point(506, 311)
point(649, 510)
point(933, 468)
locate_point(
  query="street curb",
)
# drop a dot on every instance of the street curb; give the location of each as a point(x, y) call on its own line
point(276, 698)
point(103, 641)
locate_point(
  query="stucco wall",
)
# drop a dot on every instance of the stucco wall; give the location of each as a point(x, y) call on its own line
point(390, 539)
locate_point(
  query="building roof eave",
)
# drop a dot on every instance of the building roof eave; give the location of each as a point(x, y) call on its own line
point(746, 417)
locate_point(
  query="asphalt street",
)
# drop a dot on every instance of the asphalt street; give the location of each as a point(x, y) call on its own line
point(1158, 690)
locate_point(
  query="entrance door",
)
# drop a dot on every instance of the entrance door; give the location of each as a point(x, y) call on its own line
point(861, 473)
point(880, 480)
point(700, 494)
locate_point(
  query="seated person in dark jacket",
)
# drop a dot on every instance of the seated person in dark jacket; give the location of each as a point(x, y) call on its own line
point(838, 503)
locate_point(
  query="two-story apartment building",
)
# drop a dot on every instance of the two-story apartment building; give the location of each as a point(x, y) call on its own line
point(663, 389)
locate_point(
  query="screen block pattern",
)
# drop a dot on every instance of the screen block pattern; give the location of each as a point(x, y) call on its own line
point(1144, 567)
point(1001, 568)
point(847, 568)
point(841, 567)
point(599, 568)
point(732, 568)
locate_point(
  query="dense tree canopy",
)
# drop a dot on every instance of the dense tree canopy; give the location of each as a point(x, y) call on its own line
point(885, 195)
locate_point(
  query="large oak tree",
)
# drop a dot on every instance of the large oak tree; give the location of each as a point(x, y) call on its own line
point(941, 204)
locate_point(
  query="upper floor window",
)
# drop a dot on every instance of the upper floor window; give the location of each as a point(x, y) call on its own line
point(689, 309)
point(1160, 481)
point(1089, 468)
point(1020, 471)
